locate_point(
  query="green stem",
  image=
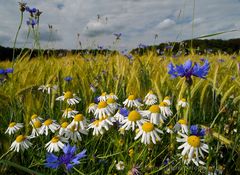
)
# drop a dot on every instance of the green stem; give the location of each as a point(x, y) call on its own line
point(15, 40)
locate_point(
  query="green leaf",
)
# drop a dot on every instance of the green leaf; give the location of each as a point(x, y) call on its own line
point(9, 163)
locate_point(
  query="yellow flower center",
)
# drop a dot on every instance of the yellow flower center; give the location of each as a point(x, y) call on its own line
point(134, 116)
point(92, 104)
point(194, 141)
point(78, 118)
point(154, 109)
point(64, 124)
point(182, 122)
point(72, 129)
point(37, 124)
point(34, 116)
point(55, 139)
point(12, 124)
point(104, 94)
point(96, 122)
point(150, 92)
point(163, 104)
point(20, 138)
point(110, 101)
point(111, 93)
point(183, 100)
point(167, 98)
point(48, 122)
point(170, 126)
point(68, 95)
point(131, 97)
point(147, 127)
point(68, 110)
point(102, 104)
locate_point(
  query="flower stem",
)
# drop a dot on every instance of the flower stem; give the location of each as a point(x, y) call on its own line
point(15, 40)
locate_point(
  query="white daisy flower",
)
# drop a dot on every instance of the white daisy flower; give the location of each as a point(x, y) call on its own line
point(167, 100)
point(112, 104)
point(132, 101)
point(100, 126)
point(49, 88)
point(74, 133)
point(165, 109)
point(49, 124)
point(79, 122)
point(103, 109)
point(97, 127)
point(154, 115)
point(55, 144)
point(192, 146)
point(21, 143)
point(37, 125)
point(69, 113)
point(169, 129)
point(181, 125)
point(63, 129)
point(13, 127)
point(34, 118)
point(120, 166)
point(103, 97)
point(149, 133)
point(183, 103)
point(68, 96)
point(150, 98)
point(112, 95)
point(92, 108)
point(134, 119)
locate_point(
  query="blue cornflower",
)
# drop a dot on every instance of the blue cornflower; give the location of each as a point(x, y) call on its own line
point(142, 46)
point(2, 71)
point(96, 99)
point(9, 70)
point(129, 56)
point(31, 10)
point(68, 79)
point(194, 130)
point(188, 69)
point(118, 35)
point(124, 112)
point(68, 159)
point(31, 22)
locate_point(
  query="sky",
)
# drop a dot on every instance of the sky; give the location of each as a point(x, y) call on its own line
point(94, 22)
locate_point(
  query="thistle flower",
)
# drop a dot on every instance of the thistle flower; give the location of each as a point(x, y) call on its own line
point(22, 6)
point(188, 70)
point(68, 159)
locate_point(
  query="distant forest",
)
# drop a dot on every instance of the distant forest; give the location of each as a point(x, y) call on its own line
point(213, 46)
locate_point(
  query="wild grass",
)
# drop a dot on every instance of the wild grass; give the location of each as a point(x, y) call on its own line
point(213, 102)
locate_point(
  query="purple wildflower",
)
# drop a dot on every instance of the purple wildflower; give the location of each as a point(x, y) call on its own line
point(188, 69)
point(68, 159)
point(194, 130)
point(68, 79)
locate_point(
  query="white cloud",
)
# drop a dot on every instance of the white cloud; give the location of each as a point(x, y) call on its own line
point(166, 23)
point(137, 20)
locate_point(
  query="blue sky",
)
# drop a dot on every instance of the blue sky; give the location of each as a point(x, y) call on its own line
point(138, 21)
